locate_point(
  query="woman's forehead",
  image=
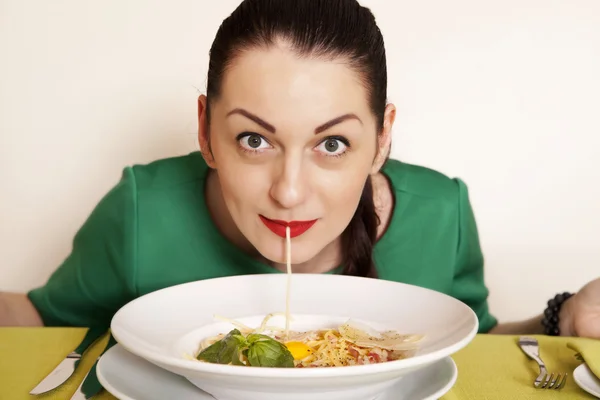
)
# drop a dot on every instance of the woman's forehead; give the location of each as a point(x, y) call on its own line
point(277, 81)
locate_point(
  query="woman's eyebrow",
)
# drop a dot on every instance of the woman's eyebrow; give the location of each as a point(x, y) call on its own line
point(271, 128)
point(252, 117)
point(336, 121)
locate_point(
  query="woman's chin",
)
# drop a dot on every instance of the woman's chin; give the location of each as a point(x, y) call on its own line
point(298, 255)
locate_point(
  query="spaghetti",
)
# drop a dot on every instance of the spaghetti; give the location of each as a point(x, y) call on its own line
point(288, 251)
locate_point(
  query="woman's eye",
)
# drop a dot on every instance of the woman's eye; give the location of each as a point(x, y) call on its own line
point(332, 147)
point(253, 141)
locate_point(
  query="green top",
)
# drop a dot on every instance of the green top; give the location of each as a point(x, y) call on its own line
point(153, 230)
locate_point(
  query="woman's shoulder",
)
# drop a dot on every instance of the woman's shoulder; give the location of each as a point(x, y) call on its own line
point(169, 172)
point(420, 181)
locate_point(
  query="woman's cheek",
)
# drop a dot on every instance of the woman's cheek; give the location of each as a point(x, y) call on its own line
point(244, 179)
point(343, 191)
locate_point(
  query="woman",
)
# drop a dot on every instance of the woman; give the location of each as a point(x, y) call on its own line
point(294, 130)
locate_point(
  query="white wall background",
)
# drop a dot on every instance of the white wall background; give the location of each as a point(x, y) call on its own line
point(505, 94)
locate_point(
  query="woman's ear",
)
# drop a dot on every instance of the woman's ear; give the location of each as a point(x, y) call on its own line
point(203, 133)
point(384, 139)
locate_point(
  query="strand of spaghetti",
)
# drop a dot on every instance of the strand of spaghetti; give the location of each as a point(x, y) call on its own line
point(235, 323)
point(264, 326)
point(288, 248)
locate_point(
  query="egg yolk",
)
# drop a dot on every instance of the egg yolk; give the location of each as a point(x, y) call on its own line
point(299, 350)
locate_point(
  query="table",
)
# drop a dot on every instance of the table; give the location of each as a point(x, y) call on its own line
point(491, 367)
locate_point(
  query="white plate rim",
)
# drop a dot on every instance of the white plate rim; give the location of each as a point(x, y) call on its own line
point(450, 384)
point(449, 361)
point(228, 370)
point(584, 369)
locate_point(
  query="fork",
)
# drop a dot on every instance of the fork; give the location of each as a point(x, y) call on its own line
point(544, 380)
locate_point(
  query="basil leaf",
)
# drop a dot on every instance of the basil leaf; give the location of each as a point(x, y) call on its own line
point(211, 353)
point(242, 344)
point(226, 350)
point(255, 337)
point(232, 344)
point(264, 351)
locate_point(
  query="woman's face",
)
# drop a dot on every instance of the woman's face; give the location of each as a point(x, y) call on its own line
point(293, 141)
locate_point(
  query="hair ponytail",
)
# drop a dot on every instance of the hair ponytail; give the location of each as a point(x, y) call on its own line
point(359, 237)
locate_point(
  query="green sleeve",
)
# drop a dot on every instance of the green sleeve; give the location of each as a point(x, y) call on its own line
point(468, 285)
point(96, 279)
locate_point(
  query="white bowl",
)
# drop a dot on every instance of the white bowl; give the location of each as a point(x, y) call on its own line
point(165, 325)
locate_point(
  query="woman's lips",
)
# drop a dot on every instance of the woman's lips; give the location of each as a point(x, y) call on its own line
point(297, 228)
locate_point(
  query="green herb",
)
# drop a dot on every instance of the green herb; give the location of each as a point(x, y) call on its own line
point(226, 350)
point(259, 350)
point(211, 353)
point(267, 352)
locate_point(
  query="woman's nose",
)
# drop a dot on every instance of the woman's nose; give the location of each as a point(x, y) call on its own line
point(290, 186)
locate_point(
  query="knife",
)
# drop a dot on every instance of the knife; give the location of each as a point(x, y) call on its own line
point(59, 375)
point(67, 366)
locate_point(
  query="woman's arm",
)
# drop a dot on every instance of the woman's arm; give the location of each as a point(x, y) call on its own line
point(531, 326)
point(534, 325)
point(17, 310)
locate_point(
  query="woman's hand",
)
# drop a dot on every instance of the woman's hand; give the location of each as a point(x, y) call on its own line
point(580, 314)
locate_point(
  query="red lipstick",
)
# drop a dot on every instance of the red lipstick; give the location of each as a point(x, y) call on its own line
point(297, 228)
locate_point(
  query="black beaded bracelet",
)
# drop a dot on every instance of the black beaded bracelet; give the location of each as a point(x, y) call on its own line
point(551, 320)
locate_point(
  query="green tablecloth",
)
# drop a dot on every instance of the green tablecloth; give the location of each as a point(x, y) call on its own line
point(491, 367)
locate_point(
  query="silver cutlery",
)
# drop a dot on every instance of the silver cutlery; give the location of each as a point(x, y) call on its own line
point(545, 380)
point(79, 394)
point(59, 374)
point(65, 369)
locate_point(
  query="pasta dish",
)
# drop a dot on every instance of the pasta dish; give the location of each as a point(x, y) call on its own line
point(351, 343)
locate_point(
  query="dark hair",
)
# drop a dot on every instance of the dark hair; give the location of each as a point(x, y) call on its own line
point(329, 29)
